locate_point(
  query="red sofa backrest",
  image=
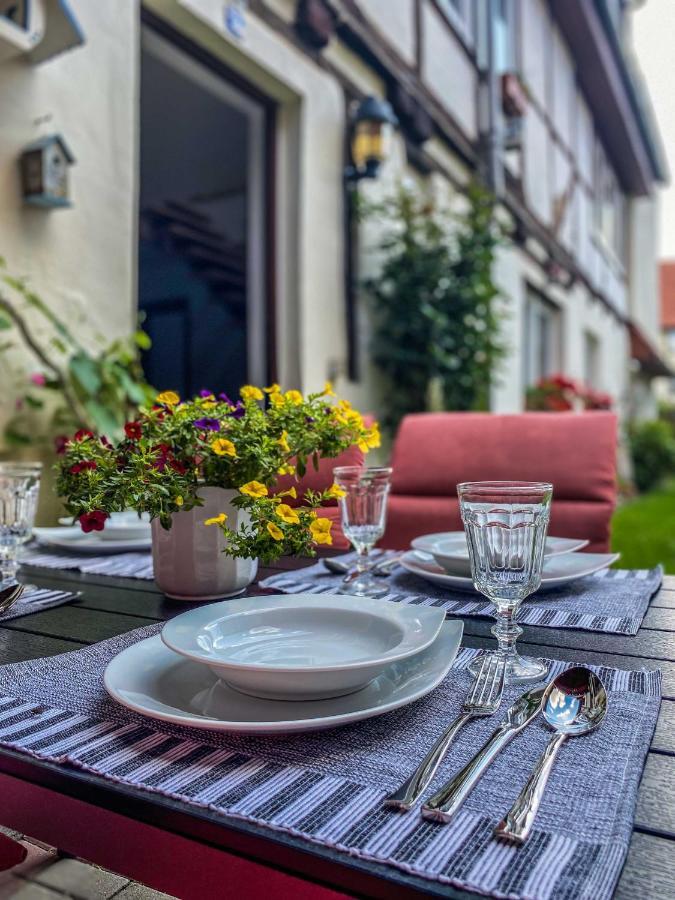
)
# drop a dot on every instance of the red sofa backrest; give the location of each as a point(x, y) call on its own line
point(433, 452)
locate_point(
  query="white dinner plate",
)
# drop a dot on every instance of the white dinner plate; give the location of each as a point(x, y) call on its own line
point(301, 646)
point(558, 570)
point(73, 538)
point(554, 546)
point(452, 553)
point(153, 680)
point(121, 526)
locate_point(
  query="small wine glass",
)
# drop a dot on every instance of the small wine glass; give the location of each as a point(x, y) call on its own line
point(19, 490)
point(506, 524)
point(363, 510)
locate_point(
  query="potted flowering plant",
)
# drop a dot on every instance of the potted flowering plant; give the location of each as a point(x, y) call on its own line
point(558, 393)
point(205, 471)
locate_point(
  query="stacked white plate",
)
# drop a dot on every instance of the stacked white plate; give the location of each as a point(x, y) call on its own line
point(286, 663)
point(123, 533)
point(443, 559)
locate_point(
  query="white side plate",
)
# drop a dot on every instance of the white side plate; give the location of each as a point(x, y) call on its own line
point(73, 538)
point(558, 570)
point(152, 680)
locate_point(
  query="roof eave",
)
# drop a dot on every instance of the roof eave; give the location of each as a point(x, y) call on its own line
point(607, 86)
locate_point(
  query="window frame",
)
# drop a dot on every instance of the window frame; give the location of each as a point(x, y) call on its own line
point(535, 366)
point(462, 21)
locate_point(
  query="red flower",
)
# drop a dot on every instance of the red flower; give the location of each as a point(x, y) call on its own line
point(133, 430)
point(76, 468)
point(178, 466)
point(82, 434)
point(106, 443)
point(93, 521)
point(60, 443)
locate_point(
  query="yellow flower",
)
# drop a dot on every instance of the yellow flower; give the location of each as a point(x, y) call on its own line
point(320, 529)
point(283, 442)
point(223, 447)
point(328, 389)
point(220, 519)
point(294, 397)
point(370, 440)
point(335, 492)
point(286, 470)
point(287, 514)
point(204, 400)
point(273, 389)
point(275, 531)
point(253, 489)
point(207, 404)
point(250, 392)
point(291, 492)
point(178, 501)
point(168, 398)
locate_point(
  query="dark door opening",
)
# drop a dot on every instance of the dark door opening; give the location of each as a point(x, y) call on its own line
point(202, 253)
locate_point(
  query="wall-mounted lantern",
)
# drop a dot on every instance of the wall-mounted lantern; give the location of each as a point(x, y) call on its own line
point(44, 172)
point(370, 144)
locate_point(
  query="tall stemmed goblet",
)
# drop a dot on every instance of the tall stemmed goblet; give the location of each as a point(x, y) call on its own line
point(18, 501)
point(11, 468)
point(506, 524)
point(363, 510)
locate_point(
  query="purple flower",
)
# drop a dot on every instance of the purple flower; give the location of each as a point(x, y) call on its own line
point(205, 393)
point(225, 398)
point(207, 424)
point(309, 420)
point(238, 412)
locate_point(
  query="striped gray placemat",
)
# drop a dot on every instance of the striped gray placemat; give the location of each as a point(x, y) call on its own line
point(126, 565)
point(613, 601)
point(327, 787)
point(36, 599)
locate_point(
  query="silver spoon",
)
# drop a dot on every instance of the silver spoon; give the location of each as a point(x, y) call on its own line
point(574, 703)
point(9, 596)
point(379, 568)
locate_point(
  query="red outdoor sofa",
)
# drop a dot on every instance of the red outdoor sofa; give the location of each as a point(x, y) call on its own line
point(432, 452)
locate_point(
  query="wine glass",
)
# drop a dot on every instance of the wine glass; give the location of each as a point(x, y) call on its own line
point(506, 524)
point(19, 490)
point(363, 510)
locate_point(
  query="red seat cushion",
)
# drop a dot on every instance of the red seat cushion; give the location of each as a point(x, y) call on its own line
point(433, 452)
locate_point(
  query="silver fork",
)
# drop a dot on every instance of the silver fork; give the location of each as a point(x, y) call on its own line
point(483, 700)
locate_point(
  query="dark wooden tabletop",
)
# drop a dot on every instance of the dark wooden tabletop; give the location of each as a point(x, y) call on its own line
point(109, 606)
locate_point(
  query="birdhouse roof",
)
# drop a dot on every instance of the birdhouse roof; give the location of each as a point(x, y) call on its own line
point(47, 141)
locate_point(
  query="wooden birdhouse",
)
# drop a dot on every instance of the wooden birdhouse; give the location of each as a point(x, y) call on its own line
point(44, 172)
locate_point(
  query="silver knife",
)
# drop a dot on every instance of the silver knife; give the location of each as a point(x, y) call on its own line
point(445, 802)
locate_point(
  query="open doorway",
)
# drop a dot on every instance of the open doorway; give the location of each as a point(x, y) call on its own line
point(202, 261)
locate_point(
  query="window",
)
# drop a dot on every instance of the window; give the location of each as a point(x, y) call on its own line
point(460, 14)
point(670, 340)
point(608, 205)
point(591, 359)
point(542, 354)
point(505, 37)
point(16, 11)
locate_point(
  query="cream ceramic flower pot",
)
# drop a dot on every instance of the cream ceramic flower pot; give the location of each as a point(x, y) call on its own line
point(188, 559)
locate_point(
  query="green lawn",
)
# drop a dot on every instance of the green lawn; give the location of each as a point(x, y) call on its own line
point(643, 530)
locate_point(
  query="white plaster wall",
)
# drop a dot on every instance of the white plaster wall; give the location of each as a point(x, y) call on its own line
point(447, 71)
point(81, 260)
point(395, 21)
point(643, 228)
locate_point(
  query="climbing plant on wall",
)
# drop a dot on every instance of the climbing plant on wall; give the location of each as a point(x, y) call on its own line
point(434, 319)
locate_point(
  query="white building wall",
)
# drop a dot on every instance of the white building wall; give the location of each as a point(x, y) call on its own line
point(81, 260)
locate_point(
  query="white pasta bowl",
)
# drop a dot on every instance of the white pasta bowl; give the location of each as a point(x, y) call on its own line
point(301, 646)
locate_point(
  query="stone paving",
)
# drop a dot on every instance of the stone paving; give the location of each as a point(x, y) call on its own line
point(46, 875)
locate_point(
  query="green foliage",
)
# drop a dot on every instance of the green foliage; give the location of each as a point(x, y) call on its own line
point(174, 448)
point(643, 533)
point(433, 304)
point(94, 390)
point(652, 449)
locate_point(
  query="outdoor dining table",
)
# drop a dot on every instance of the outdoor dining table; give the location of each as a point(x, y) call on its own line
point(188, 853)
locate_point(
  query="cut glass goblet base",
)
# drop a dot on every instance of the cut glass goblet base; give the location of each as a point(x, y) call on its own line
point(519, 669)
point(364, 586)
